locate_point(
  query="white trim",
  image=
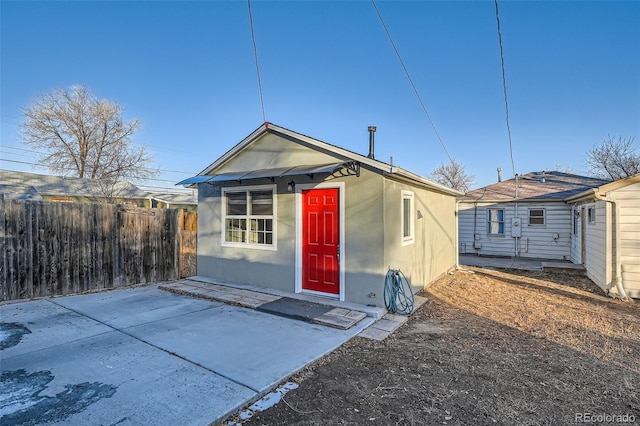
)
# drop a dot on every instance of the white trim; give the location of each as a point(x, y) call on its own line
point(591, 218)
point(334, 151)
point(411, 238)
point(504, 222)
point(223, 215)
point(544, 217)
point(298, 245)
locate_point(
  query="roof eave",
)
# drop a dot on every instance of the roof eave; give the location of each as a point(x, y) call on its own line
point(408, 177)
point(513, 200)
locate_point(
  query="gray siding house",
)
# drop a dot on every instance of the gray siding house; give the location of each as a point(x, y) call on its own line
point(554, 215)
point(606, 235)
point(285, 211)
point(527, 217)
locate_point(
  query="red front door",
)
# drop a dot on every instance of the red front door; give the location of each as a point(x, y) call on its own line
point(321, 240)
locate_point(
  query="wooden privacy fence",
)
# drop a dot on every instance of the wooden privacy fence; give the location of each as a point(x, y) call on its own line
point(51, 249)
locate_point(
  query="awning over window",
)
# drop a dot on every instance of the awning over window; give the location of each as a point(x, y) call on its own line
point(346, 169)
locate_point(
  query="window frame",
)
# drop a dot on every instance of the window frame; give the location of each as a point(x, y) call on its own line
point(544, 217)
point(591, 215)
point(489, 222)
point(409, 238)
point(248, 216)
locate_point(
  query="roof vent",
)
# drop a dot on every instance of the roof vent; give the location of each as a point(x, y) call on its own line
point(499, 169)
point(542, 179)
point(372, 130)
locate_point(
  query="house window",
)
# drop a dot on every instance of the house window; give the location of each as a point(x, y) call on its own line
point(536, 216)
point(495, 222)
point(576, 221)
point(248, 217)
point(408, 222)
point(591, 215)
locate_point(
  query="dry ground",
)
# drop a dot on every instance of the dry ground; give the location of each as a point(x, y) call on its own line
point(490, 347)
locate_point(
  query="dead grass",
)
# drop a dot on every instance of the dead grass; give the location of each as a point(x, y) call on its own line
point(490, 347)
point(565, 309)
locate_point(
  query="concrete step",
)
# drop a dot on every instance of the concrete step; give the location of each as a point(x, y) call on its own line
point(287, 307)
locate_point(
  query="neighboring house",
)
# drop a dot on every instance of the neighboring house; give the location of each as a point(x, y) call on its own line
point(285, 211)
point(606, 235)
point(530, 219)
point(37, 187)
point(554, 215)
point(188, 202)
point(68, 189)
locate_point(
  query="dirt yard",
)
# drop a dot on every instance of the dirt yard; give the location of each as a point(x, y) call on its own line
point(490, 347)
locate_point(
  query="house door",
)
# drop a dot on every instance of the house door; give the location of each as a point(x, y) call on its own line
point(321, 240)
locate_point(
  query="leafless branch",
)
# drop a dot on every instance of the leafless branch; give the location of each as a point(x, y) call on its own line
point(86, 137)
point(614, 158)
point(452, 175)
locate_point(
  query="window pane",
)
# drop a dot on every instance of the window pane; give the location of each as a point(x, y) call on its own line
point(236, 230)
point(496, 221)
point(262, 203)
point(495, 228)
point(236, 203)
point(496, 215)
point(261, 231)
point(406, 217)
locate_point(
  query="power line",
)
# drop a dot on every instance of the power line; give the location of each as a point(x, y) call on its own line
point(43, 153)
point(44, 165)
point(415, 90)
point(504, 89)
point(255, 55)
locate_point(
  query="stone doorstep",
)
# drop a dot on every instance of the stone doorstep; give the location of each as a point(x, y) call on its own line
point(382, 328)
point(336, 317)
point(340, 318)
point(389, 323)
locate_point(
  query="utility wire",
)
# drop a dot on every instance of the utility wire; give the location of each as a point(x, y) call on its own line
point(415, 90)
point(255, 55)
point(43, 153)
point(44, 165)
point(504, 89)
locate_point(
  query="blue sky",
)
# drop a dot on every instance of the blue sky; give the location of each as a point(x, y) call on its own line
point(187, 70)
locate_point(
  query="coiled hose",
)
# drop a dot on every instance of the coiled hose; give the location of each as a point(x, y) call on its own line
point(398, 294)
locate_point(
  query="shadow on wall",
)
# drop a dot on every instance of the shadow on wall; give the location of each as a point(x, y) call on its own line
point(358, 285)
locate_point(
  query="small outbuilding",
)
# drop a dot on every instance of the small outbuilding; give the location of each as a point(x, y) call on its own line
point(285, 211)
point(606, 235)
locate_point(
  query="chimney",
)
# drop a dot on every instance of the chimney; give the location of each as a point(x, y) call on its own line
point(372, 130)
point(499, 174)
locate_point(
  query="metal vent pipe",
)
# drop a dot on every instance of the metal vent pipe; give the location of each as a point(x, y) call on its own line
point(372, 130)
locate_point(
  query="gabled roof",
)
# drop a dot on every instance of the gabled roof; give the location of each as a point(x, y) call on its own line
point(601, 191)
point(383, 168)
point(535, 186)
point(68, 186)
point(19, 192)
point(173, 198)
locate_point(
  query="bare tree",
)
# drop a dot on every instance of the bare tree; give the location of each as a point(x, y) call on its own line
point(86, 137)
point(452, 175)
point(614, 158)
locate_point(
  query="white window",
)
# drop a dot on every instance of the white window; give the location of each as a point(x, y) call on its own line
point(591, 215)
point(248, 217)
point(536, 216)
point(495, 221)
point(408, 218)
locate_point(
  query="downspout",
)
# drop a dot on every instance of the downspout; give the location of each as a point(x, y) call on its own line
point(517, 245)
point(616, 214)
